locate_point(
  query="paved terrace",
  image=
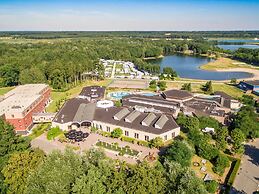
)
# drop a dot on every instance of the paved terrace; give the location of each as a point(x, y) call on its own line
point(49, 146)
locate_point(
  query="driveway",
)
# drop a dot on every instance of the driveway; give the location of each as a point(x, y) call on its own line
point(48, 146)
point(247, 179)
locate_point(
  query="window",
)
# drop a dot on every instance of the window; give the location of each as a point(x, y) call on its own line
point(101, 127)
point(136, 135)
point(146, 138)
point(173, 135)
point(108, 129)
point(126, 133)
point(165, 137)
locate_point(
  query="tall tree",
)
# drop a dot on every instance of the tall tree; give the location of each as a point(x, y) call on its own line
point(19, 166)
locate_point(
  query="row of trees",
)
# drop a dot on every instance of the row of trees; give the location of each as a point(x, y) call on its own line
point(250, 56)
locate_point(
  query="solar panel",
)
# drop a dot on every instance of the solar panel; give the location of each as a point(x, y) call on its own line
point(148, 120)
point(132, 116)
point(161, 122)
point(118, 116)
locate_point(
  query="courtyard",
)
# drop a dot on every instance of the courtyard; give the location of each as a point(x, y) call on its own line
point(93, 141)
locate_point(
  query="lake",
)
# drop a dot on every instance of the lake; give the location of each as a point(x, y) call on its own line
point(188, 67)
point(235, 47)
point(239, 40)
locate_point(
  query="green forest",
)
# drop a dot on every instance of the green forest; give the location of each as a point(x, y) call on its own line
point(64, 62)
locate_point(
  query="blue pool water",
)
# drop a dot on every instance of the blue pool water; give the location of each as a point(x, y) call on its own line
point(148, 94)
point(119, 95)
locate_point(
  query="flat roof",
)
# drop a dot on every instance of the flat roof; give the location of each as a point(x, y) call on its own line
point(93, 92)
point(106, 116)
point(28, 89)
point(177, 94)
point(17, 103)
point(223, 95)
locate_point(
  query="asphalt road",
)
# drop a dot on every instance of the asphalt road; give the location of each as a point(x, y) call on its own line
point(247, 180)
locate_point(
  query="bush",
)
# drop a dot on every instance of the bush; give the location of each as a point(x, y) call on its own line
point(53, 133)
point(104, 133)
point(118, 103)
point(156, 142)
point(143, 143)
point(128, 139)
point(116, 133)
point(179, 152)
point(221, 163)
point(94, 129)
point(211, 186)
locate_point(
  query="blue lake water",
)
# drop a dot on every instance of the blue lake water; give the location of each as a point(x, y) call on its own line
point(188, 67)
point(238, 40)
point(235, 47)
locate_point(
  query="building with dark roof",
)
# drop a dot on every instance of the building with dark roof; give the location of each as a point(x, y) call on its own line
point(177, 95)
point(92, 93)
point(252, 86)
point(135, 124)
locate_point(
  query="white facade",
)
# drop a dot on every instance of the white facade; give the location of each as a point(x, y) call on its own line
point(137, 134)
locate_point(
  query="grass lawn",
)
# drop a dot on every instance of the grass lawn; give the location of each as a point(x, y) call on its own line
point(208, 166)
point(196, 87)
point(225, 63)
point(209, 170)
point(39, 129)
point(62, 96)
point(4, 90)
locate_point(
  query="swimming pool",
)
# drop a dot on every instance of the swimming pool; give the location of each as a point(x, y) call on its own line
point(148, 94)
point(118, 95)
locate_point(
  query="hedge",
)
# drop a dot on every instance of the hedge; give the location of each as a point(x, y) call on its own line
point(128, 139)
point(232, 173)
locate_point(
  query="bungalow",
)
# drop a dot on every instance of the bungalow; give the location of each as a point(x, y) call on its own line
point(252, 86)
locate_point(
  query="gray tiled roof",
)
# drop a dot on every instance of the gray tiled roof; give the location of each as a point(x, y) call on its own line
point(106, 116)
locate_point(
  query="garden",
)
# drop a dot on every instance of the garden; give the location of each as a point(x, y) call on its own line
point(115, 147)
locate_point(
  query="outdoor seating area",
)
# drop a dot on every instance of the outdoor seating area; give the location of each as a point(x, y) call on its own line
point(76, 136)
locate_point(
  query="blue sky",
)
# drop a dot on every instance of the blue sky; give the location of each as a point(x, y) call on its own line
point(129, 15)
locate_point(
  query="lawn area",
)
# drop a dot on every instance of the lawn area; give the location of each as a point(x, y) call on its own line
point(208, 166)
point(58, 98)
point(196, 87)
point(39, 129)
point(4, 90)
point(209, 170)
point(229, 89)
point(225, 63)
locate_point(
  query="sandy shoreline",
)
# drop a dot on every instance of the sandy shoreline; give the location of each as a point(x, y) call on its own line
point(255, 72)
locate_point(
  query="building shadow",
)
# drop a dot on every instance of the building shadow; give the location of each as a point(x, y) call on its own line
point(253, 153)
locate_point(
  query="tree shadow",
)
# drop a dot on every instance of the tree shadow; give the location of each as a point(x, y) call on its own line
point(253, 153)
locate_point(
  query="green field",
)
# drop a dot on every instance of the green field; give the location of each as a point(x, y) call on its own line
point(196, 87)
point(5, 90)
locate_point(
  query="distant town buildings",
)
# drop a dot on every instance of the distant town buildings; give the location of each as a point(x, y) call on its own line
point(19, 105)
